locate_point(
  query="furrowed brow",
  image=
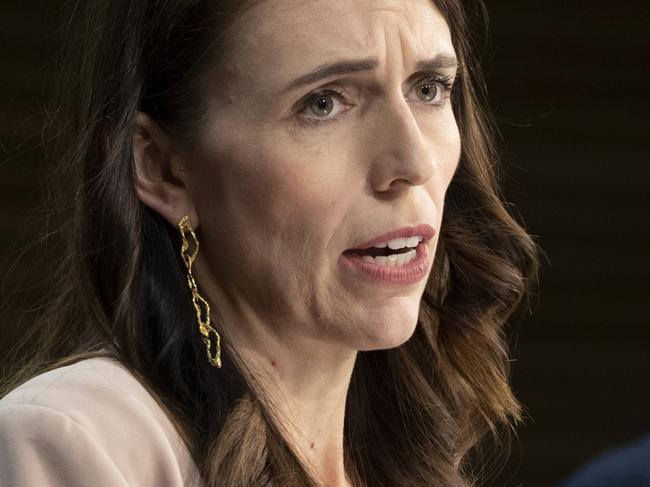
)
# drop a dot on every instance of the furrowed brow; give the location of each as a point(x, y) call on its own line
point(441, 61)
point(337, 68)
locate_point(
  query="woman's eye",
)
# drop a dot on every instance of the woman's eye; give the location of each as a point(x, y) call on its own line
point(430, 91)
point(319, 107)
point(322, 105)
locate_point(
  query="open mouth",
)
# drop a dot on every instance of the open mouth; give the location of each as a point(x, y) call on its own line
point(404, 248)
point(375, 252)
point(385, 255)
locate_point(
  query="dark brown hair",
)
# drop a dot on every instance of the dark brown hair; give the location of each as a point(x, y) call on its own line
point(416, 414)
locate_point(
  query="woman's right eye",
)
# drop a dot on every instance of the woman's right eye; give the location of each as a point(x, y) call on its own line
point(318, 107)
point(322, 105)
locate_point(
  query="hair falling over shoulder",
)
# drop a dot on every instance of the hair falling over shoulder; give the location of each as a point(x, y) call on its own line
point(416, 415)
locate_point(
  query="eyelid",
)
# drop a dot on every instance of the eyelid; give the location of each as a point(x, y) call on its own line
point(448, 81)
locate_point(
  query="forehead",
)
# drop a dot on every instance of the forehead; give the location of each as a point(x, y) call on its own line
point(282, 37)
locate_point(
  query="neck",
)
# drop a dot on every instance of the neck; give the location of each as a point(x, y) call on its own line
point(308, 393)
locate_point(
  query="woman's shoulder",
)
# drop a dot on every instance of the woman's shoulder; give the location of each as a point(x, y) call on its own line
point(89, 418)
point(74, 389)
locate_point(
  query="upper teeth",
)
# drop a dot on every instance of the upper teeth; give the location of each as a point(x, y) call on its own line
point(400, 243)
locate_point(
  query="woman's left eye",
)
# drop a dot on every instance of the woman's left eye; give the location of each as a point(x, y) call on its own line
point(430, 91)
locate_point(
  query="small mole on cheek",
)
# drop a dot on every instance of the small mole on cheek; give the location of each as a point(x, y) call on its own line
point(273, 363)
point(312, 445)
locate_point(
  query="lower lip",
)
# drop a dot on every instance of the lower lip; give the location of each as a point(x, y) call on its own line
point(410, 273)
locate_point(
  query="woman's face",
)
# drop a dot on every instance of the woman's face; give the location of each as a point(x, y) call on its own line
point(288, 181)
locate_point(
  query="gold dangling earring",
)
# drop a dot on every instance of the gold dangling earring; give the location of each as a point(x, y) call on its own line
point(201, 306)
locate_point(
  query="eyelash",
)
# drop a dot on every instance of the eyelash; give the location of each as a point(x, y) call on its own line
point(448, 85)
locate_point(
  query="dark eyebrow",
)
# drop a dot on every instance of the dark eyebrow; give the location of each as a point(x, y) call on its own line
point(441, 61)
point(326, 70)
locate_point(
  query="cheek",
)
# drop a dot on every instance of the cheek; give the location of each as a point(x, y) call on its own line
point(447, 149)
point(266, 194)
point(296, 192)
point(454, 152)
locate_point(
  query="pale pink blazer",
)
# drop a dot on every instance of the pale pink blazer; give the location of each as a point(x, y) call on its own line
point(89, 424)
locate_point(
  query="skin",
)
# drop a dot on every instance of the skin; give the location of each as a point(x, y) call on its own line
point(276, 200)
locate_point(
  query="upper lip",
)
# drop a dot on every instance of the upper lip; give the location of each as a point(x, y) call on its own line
point(425, 231)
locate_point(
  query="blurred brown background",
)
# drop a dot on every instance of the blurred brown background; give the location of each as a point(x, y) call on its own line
point(569, 85)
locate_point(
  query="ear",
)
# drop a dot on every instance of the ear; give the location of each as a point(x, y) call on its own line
point(161, 180)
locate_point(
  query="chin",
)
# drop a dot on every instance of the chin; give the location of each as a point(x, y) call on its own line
point(389, 329)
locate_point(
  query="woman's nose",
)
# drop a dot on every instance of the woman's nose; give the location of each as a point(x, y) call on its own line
point(401, 154)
